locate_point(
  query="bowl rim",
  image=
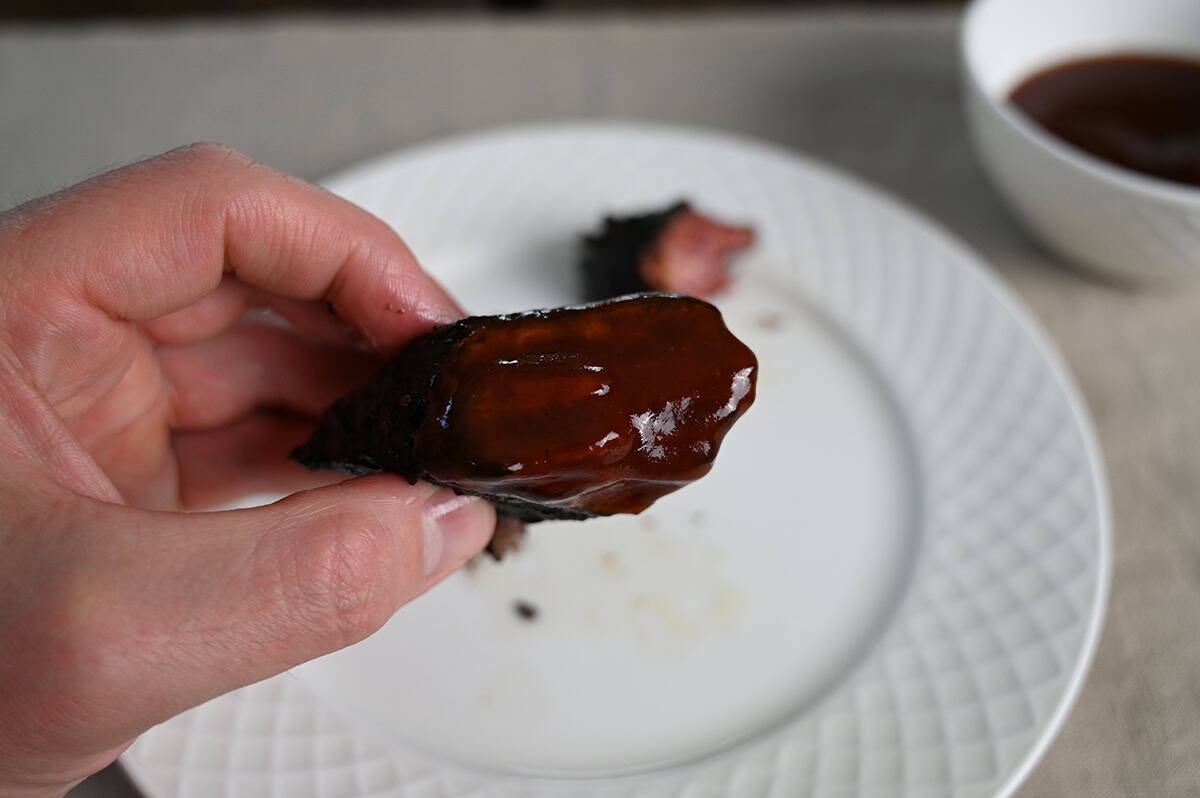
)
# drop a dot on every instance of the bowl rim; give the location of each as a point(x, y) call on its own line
point(1098, 168)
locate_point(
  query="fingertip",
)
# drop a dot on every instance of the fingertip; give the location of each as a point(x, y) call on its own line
point(394, 300)
point(456, 528)
point(431, 525)
point(348, 555)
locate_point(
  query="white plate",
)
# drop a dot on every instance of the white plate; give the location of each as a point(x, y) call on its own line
point(890, 584)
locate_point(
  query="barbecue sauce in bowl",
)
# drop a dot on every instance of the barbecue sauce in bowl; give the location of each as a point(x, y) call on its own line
point(1137, 111)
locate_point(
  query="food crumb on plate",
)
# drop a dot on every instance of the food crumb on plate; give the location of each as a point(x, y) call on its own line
point(525, 611)
point(769, 322)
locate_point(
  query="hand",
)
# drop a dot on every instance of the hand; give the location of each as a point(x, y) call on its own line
point(139, 376)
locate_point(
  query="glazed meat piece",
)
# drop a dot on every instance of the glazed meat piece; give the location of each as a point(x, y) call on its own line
point(676, 249)
point(564, 413)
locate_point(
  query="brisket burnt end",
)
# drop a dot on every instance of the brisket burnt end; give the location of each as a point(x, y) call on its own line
point(676, 249)
point(551, 414)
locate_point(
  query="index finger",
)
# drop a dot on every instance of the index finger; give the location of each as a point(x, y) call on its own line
point(156, 236)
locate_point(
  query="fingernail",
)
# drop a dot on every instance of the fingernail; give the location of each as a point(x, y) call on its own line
point(456, 528)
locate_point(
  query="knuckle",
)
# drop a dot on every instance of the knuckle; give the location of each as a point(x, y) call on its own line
point(67, 631)
point(77, 633)
point(346, 576)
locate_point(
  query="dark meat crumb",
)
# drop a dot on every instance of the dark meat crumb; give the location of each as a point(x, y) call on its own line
point(508, 537)
point(525, 611)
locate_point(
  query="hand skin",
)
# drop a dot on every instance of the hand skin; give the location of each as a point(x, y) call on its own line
point(139, 377)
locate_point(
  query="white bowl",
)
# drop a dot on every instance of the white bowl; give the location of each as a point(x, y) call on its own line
point(1118, 222)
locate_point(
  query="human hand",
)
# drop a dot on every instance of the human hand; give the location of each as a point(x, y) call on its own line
point(133, 384)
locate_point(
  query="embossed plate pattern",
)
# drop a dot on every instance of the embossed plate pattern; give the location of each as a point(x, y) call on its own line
point(980, 658)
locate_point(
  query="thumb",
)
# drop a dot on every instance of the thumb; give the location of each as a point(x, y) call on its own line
point(199, 604)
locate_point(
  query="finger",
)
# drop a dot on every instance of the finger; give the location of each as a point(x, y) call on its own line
point(156, 236)
point(317, 319)
point(246, 458)
point(218, 311)
point(216, 381)
point(209, 315)
point(241, 595)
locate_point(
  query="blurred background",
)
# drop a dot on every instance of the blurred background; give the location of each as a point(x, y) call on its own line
point(58, 9)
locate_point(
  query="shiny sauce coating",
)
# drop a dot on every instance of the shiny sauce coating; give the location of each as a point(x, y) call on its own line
point(602, 408)
point(1140, 112)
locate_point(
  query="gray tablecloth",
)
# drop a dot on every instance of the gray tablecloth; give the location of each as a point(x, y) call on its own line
point(877, 95)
